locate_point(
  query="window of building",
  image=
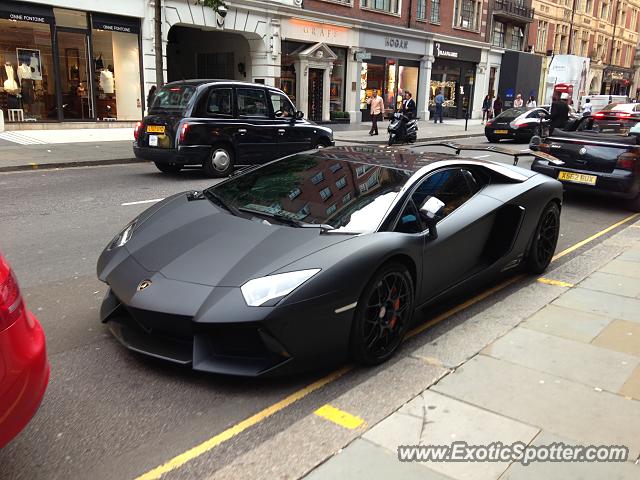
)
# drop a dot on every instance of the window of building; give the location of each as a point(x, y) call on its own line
point(332, 209)
point(346, 199)
point(338, 77)
point(588, 5)
point(325, 193)
point(541, 39)
point(517, 38)
point(341, 183)
point(467, 14)
point(294, 193)
point(421, 9)
point(390, 6)
point(26, 70)
point(335, 167)
point(304, 211)
point(317, 178)
point(498, 34)
point(434, 14)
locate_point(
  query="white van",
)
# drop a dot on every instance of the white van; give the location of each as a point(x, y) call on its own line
point(598, 102)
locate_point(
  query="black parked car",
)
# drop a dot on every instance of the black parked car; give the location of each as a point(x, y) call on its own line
point(517, 123)
point(597, 157)
point(220, 123)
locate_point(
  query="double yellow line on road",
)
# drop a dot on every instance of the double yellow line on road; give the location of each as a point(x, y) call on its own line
point(208, 445)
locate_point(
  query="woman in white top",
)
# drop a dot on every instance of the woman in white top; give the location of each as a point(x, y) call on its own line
point(531, 103)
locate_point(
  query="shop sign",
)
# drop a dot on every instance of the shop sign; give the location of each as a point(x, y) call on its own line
point(360, 56)
point(395, 42)
point(392, 43)
point(115, 24)
point(314, 32)
point(456, 52)
point(26, 13)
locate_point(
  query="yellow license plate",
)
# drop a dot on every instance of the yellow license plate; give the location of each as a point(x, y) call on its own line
point(155, 128)
point(501, 132)
point(578, 178)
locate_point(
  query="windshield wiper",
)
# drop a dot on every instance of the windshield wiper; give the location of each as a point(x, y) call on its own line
point(219, 201)
point(288, 220)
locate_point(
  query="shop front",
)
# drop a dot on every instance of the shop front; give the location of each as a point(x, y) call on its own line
point(68, 65)
point(453, 74)
point(314, 69)
point(616, 81)
point(390, 66)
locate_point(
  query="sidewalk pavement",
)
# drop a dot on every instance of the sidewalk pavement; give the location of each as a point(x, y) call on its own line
point(31, 149)
point(569, 372)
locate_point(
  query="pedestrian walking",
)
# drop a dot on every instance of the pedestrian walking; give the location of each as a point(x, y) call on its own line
point(518, 102)
point(497, 106)
point(376, 107)
point(439, 101)
point(531, 103)
point(409, 106)
point(587, 109)
point(486, 108)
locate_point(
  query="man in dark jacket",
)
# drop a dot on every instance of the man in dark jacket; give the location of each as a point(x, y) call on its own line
point(409, 106)
point(559, 112)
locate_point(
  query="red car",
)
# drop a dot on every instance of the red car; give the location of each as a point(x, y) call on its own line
point(24, 367)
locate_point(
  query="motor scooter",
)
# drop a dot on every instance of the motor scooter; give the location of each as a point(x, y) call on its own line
point(402, 129)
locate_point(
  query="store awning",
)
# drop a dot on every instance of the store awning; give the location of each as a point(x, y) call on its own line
point(26, 12)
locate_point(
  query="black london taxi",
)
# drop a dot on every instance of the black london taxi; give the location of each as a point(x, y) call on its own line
point(219, 124)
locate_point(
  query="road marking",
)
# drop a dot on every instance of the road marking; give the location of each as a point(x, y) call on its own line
point(593, 237)
point(240, 427)
point(155, 200)
point(480, 156)
point(558, 283)
point(339, 417)
point(20, 138)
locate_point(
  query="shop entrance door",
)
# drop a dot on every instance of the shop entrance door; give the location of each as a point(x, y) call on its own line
point(76, 88)
point(315, 94)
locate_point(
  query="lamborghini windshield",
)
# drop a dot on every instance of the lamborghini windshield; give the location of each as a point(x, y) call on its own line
point(306, 190)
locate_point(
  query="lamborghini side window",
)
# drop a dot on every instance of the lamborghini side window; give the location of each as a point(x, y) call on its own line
point(450, 186)
point(409, 221)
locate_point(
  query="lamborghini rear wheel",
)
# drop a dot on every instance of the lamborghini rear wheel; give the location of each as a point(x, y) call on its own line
point(545, 240)
point(383, 315)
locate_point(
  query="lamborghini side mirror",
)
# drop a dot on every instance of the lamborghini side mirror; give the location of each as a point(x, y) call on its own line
point(432, 212)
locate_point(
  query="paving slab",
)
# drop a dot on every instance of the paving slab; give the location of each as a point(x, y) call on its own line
point(551, 403)
point(612, 283)
point(622, 267)
point(569, 359)
point(570, 470)
point(362, 460)
point(567, 323)
point(632, 255)
point(434, 419)
point(601, 303)
point(621, 336)
point(632, 386)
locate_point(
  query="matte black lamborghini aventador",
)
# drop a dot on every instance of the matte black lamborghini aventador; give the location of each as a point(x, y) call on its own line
point(320, 255)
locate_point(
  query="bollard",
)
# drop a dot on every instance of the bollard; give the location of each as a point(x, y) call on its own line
point(466, 119)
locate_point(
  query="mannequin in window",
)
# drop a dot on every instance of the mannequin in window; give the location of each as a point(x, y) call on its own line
point(26, 85)
point(99, 64)
point(107, 83)
point(34, 65)
point(10, 84)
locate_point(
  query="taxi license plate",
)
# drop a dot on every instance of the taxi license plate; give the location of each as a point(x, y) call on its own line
point(155, 128)
point(577, 178)
point(501, 132)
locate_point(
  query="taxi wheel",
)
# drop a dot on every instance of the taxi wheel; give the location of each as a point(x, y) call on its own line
point(220, 162)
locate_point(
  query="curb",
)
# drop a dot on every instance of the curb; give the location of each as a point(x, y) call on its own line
point(72, 164)
point(423, 140)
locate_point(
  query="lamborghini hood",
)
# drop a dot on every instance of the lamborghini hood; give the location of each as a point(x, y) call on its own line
point(196, 241)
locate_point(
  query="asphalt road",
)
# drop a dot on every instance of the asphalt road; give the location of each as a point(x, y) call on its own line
point(109, 413)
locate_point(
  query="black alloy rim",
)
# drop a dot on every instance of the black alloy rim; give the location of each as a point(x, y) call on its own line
point(547, 236)
point(386, 314)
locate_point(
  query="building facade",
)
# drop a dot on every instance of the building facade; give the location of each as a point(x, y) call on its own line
point(603, 31)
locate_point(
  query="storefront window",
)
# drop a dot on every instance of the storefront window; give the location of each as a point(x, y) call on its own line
point(116, 70)
point(288, 69)
point(371, 78)
point(27, 83)
point(390, 85)
point(337, 80)
point(407, 82)
point(74, 76)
